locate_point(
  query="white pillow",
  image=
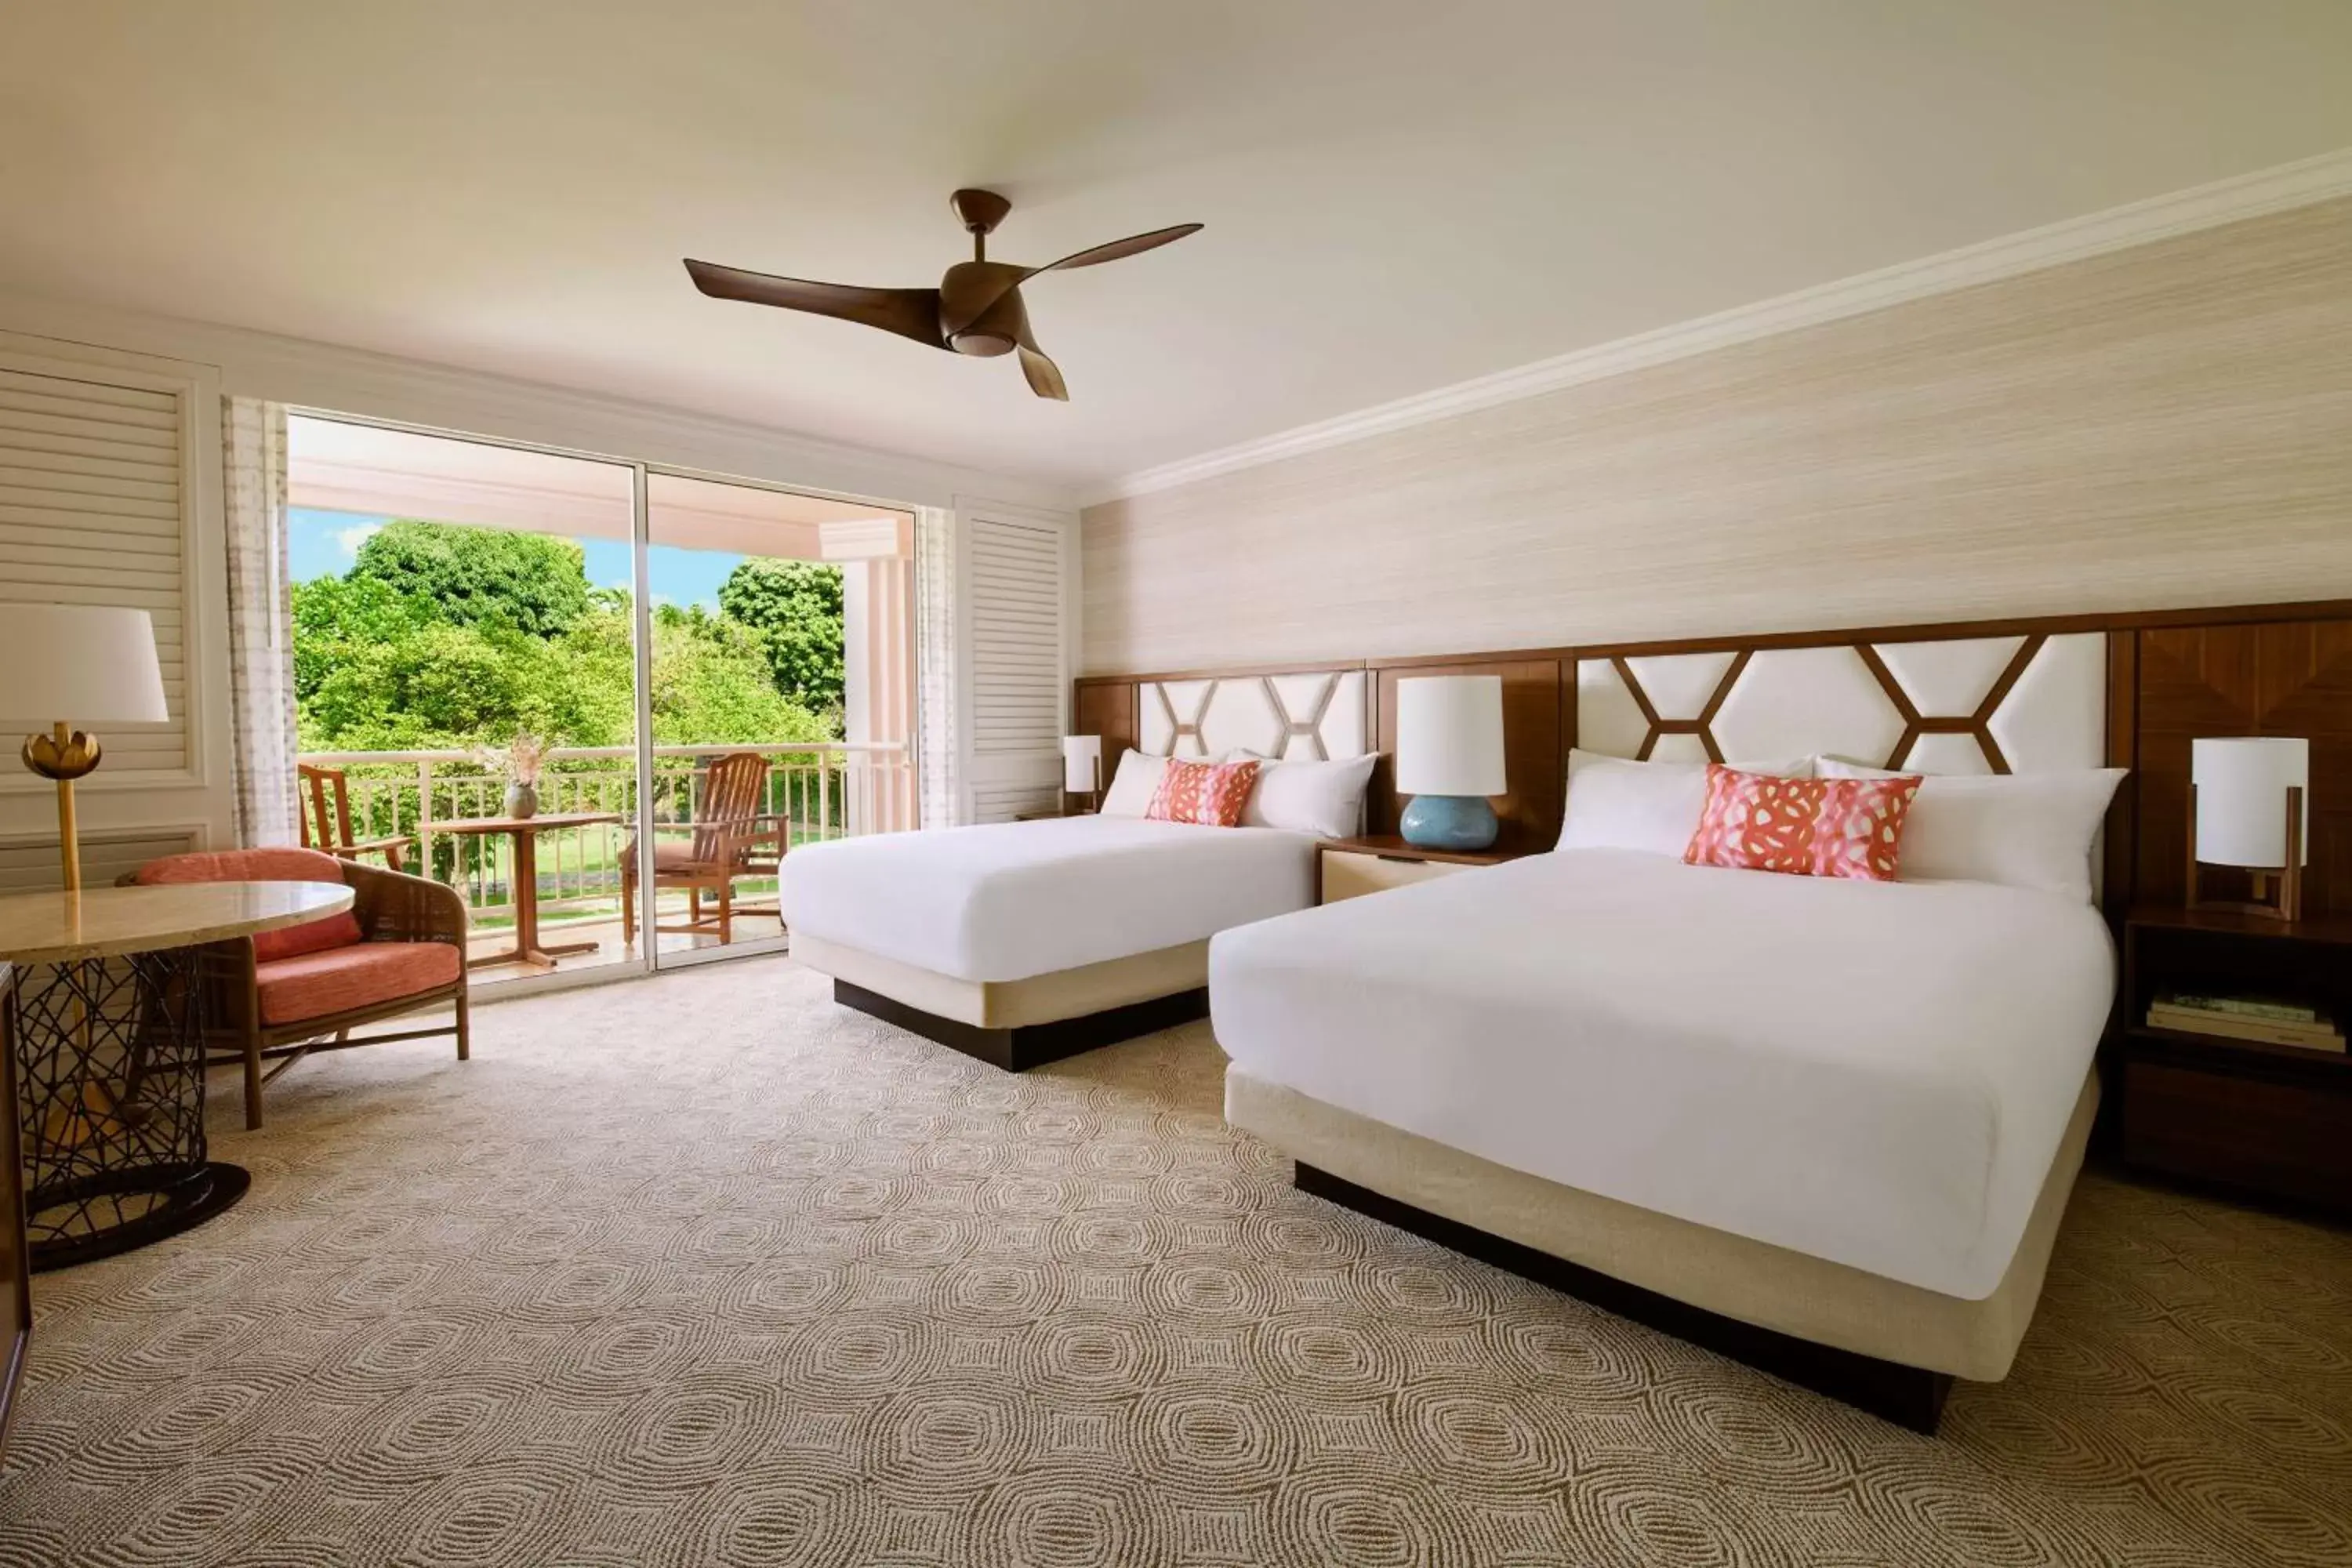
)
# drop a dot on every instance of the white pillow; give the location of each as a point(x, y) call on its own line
point(1326, 799)
point(1615, 803)
point(1133, 785)
point(2021, 830)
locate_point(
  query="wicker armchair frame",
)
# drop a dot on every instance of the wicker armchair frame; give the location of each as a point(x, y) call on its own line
point(390, 906)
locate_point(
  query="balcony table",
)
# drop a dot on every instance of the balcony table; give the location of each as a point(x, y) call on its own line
point(525, 832)
point(110, 1044)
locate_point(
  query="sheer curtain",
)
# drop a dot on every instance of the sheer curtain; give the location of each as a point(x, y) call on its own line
point(935, 666)
point(261, 623)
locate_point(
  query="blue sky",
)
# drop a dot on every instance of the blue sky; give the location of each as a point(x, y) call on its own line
point(325, 543)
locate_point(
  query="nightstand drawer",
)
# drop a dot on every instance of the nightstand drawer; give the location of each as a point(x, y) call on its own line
point(2263, 1134)
point(1350, 876)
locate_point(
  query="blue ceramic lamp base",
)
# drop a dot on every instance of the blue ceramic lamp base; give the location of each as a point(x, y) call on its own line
point(1449, 822)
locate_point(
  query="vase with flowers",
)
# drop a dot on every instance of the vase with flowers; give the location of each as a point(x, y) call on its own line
point(520, 764)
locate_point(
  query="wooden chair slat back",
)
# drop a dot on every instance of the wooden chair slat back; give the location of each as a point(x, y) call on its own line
point(323, 799)
point(734, 788)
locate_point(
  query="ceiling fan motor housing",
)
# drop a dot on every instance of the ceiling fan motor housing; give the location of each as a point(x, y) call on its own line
point(981, 312)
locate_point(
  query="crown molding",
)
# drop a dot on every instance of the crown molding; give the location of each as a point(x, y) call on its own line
point(2272, 190)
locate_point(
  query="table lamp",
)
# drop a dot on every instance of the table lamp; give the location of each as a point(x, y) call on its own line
point(2246, 809)
point(62, 664)
point(1082, 768)
point(1449, 758)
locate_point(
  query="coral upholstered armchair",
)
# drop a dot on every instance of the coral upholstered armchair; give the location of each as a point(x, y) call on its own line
point(399, 949)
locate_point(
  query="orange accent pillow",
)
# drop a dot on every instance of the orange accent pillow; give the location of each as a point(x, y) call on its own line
point(1211, 795)
point(1808, 828)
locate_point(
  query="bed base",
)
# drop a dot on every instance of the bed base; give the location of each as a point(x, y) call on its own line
point(1909, 1396)
point(1026, 1046)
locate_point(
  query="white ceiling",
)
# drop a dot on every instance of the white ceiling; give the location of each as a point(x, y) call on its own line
point(1398, 194)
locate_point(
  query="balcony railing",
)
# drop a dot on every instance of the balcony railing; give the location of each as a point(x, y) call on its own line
point(820, 790)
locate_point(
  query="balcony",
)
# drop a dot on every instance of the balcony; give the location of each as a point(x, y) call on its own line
point(815, 791)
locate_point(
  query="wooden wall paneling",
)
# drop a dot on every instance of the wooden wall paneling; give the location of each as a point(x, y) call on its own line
point(1569, 732)
point(2303, 672)
point(2119, 872)
point(2274, 679)
point(1535, 746)
point(1108, 707)
point(2172, 675)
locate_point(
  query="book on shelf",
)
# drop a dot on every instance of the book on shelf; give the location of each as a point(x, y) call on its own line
point(2318, 1035)
point(2247, 1006)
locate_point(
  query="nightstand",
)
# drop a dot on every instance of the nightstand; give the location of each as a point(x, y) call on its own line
point(1351, 868)
point(2272, 1121)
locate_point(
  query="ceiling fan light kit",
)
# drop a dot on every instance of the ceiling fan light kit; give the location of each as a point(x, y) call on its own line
point(977, 309)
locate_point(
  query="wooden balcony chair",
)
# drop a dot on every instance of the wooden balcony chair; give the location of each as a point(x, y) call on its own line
point(400, 949)
point(732, 836)
point(323, 802)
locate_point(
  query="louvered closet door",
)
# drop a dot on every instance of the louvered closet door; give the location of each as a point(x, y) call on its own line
point(1017, 570)
point(92, 511)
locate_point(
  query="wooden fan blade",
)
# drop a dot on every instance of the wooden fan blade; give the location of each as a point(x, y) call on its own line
point(1133, 245)
point(1044, 376)
point(909, 313)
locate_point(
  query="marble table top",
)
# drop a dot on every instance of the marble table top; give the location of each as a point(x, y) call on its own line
point(105, 922)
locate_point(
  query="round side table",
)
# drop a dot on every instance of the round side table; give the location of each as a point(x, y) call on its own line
point(110, 1001)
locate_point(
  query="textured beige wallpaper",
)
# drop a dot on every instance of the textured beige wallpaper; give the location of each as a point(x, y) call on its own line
point(2163, 426)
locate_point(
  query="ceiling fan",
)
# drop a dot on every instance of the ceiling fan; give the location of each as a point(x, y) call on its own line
point(976, 309)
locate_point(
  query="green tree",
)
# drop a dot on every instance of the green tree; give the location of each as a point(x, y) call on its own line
point(336, 617)
point(477, 576)
point(711, 685)
point(795, 609)
point(445, 637)
point(439, 684)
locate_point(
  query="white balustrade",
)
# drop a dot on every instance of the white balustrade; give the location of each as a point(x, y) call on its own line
point(818, 790)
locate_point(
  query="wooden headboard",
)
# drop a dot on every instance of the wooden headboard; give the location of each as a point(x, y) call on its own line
point(2130, 691)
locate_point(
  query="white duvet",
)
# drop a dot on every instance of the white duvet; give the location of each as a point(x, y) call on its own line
point(1874, 1073)
point(1010, 899)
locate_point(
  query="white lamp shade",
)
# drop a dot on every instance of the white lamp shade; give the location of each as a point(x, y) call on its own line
point(1081, 757)
point(2241, 784)
point(1449, 737)
point(83, 663)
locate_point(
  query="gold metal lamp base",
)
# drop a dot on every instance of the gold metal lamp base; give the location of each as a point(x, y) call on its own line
point(64, 754)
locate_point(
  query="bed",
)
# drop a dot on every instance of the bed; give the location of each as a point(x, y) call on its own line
point(1828, 1127)
point(1013, 929)
point(1022, 943)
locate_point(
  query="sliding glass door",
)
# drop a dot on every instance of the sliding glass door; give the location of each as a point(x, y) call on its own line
point(601, 701)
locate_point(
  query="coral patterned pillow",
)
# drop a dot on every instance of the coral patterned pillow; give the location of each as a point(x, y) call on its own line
point(1208, 794)
point(1811, 827)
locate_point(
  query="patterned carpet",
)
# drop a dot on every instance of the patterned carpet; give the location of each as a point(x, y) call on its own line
point(705, 1271)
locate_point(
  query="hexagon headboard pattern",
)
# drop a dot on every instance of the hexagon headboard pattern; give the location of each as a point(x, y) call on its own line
point(1314, 715)
point(1997, 704)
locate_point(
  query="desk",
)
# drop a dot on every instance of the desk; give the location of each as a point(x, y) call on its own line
point(109, 1053)
point(525, 832)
